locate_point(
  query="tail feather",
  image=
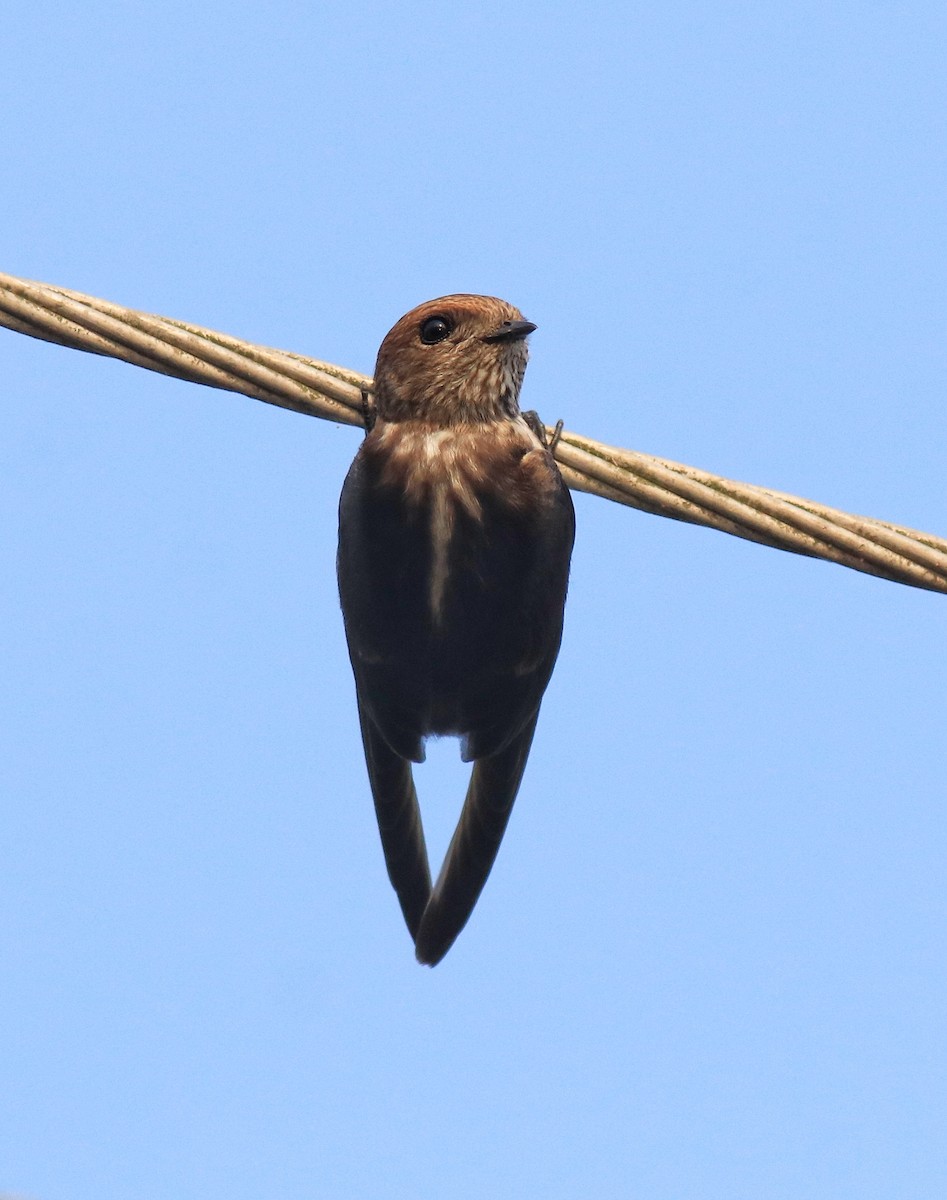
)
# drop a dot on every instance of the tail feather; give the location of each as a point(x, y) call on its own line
point(399, 823)
point(494, 782)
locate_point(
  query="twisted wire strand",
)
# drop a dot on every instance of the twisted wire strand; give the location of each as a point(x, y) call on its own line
point(319, 389)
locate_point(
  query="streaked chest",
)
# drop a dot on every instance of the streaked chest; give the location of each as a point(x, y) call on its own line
point(457, 481)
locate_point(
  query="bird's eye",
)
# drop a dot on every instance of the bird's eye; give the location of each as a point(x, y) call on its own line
point(435, 329)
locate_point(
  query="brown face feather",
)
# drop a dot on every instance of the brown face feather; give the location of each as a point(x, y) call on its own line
point(436, 366)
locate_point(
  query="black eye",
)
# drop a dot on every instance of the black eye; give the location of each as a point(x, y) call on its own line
point(435, 329)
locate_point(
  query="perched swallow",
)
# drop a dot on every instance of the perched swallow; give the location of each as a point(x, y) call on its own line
point(455, 536)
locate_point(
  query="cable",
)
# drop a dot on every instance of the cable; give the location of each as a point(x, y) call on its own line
point(333, 393)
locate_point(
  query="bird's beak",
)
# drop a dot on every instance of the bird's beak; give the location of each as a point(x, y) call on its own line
point(511, 331)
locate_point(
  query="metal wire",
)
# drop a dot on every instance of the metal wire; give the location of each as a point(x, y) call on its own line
point(333, 393)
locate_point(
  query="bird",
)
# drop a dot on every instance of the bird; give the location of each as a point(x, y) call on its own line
point(455, 540)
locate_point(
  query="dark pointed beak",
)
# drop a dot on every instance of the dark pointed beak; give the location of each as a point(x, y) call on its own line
point(511, 331)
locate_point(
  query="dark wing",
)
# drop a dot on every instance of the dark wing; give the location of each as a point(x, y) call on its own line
point(517, 650)
point(494, 783)
point(513, 627)
point(383, 563)
point(377, 562)
point(399, 823)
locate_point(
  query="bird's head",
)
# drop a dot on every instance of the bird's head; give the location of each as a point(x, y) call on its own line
point(453, 360)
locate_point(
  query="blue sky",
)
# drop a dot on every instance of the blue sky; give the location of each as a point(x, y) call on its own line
point(712, 958)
